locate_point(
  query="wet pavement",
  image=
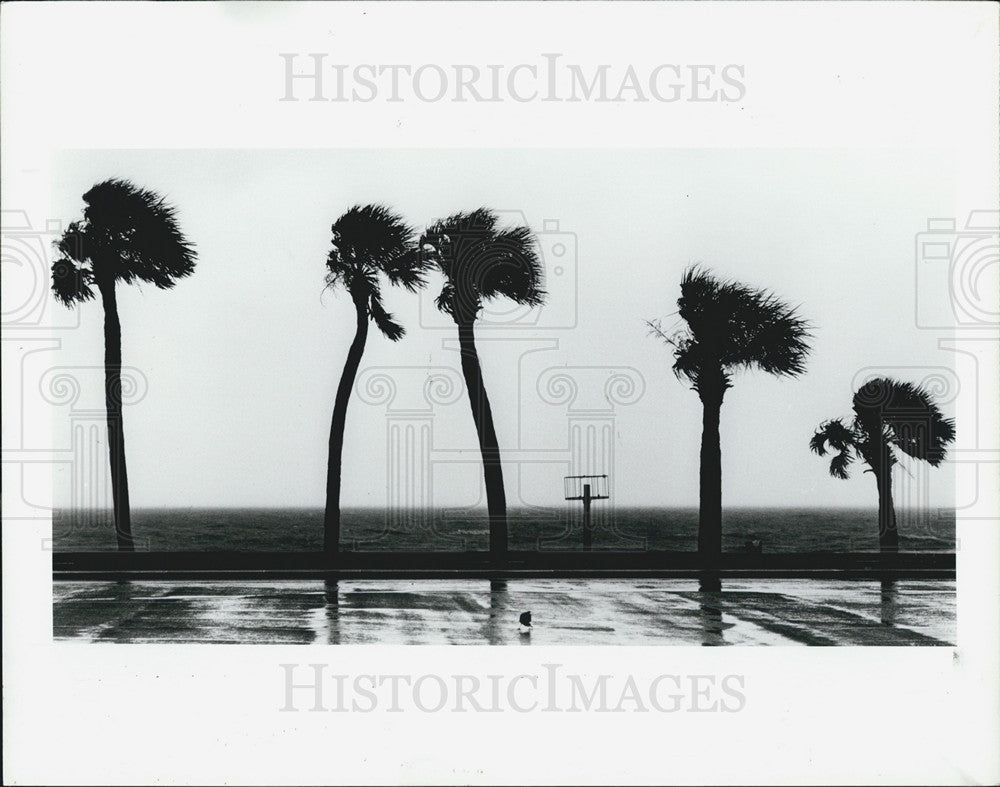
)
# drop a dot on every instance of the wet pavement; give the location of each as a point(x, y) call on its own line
point(474, 612)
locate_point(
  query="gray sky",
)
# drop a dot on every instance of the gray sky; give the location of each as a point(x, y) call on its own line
point(243, 358)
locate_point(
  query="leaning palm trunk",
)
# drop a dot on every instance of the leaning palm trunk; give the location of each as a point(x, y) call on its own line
point(710, 497)
point(489, 447)
point(480, 261)
point(888, 535)
point(331, 519)
point(113, 407)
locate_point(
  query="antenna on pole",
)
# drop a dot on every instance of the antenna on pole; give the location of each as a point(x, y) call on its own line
point(586, 488)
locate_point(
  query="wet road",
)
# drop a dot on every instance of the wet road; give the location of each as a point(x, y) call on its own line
point(472, 612)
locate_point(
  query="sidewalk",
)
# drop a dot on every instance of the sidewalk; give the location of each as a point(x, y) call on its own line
point(469, 612)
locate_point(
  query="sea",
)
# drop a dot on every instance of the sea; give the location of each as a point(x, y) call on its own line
point(625, 529)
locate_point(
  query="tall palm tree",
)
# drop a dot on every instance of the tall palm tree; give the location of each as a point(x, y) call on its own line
point(368, 242)
point(729, 327)
point(481, 261)
point(127, 234)
point(889, 416)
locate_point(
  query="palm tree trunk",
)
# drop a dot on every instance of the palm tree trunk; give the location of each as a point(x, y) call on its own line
point(489, 447)
point(113, 408)
point(888, 535)
point(710, 495)
point(331, 518)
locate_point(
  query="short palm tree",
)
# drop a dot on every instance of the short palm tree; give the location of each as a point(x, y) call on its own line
point(481, 261)
point(368, 242)
point(889, 417)
point(729, 327)
point(127, 234)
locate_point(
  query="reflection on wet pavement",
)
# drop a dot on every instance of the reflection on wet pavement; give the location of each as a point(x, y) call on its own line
point(476, 612)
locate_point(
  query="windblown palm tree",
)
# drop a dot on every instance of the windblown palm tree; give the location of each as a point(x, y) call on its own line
point(889, 416)
point(368, 242)
point(481, 261)
point(127, 233)
point(729, 327)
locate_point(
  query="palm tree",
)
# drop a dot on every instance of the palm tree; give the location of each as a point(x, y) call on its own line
point(729, 327)
point(127, 234)
point(368, 242)
point(889, 416)
point(481, 261)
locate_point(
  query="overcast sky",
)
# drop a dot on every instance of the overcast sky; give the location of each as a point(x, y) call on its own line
point(243, 358)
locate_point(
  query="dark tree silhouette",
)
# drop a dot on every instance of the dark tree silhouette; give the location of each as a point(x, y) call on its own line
point(889, 416)
point(368, 242)
point(127, 233)
point(481, 261)
point(729, 327)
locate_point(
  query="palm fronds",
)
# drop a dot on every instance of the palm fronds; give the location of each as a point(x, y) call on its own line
point(408, 270)
point(370, 241)
point(909, 417)
point(481, 261)
point(134, 233)
point(729, 326)
point(371, 236)
point(72, 274)
point(383, 320)
point(887, 414)
point(839, 438)
point(127, 233)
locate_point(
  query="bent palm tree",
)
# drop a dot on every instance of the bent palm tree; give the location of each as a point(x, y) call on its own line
point(368, 242)
point(127, 233)
point(729, 327)
point(889, 416)
point(481, 261)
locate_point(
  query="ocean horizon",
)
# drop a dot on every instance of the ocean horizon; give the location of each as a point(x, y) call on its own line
point(638, 528)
